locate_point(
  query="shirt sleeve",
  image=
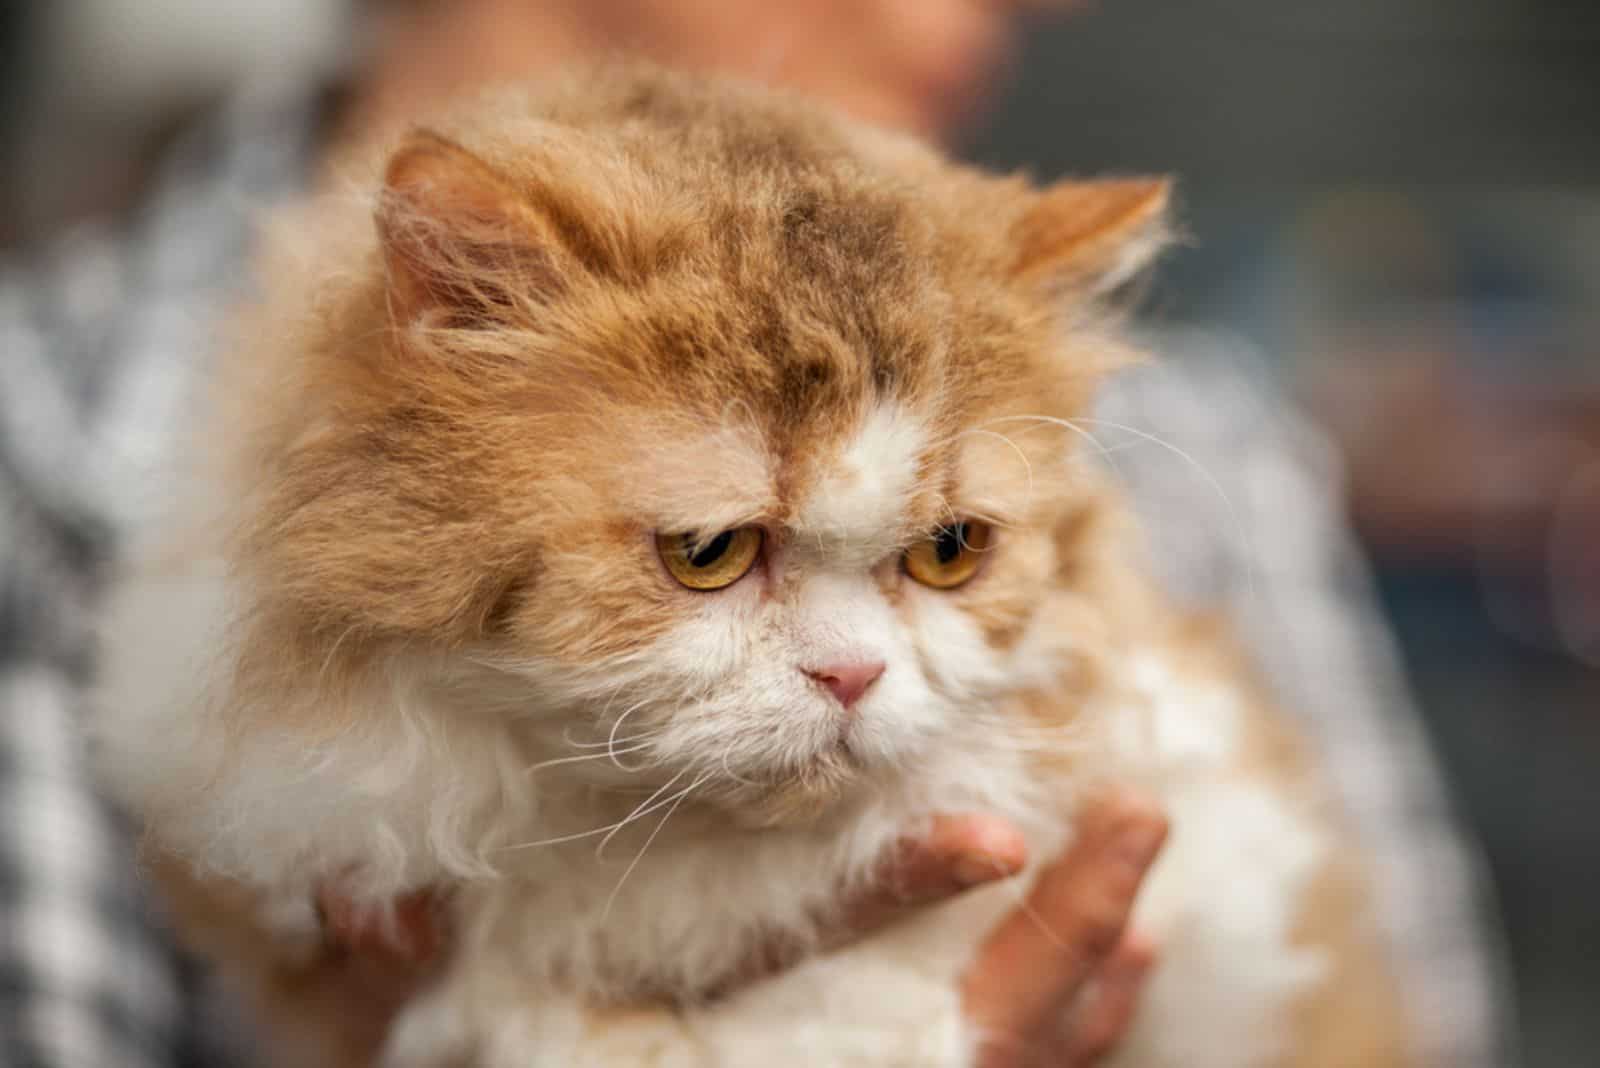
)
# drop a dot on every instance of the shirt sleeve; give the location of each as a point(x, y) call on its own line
point(87, 977)
point(101, 335)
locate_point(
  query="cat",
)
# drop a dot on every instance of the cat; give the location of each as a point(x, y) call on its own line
point(645, 500)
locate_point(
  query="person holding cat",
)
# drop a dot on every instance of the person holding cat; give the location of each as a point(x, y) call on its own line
point(1025, 973)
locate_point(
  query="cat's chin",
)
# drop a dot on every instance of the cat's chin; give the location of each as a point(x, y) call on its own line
point(804, 798)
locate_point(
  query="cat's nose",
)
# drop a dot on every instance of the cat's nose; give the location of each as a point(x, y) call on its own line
point(847, 682)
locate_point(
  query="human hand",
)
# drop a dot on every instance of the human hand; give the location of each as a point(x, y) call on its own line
point(372, 965)
point(1057, 982)
point(1061, 958)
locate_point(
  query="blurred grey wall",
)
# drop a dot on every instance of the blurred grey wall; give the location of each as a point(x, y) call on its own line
point(1254, 104)
point(1263, 92)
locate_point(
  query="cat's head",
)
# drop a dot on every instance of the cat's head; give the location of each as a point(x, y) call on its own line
point(710, 428)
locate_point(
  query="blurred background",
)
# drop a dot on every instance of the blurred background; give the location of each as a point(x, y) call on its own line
point(1397, 201)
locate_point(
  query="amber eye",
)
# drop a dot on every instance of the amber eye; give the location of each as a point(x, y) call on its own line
point(710, 564)
point(951, 556)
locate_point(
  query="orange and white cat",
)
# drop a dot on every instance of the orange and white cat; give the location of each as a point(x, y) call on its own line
point(647, 501)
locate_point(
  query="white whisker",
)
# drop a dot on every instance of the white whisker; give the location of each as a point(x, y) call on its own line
point(643, 810)
point(727, 770)
point(1019, 892)
point(1026, 466)
point(1066, 424)
point(644, 807)
point(1234, 515)
point(566, 737)
point(531, 768)
point(615, 890)
point(611, 740)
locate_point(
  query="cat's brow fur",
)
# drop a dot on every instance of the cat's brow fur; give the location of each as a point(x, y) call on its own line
point(762, 263)
point(420, 635)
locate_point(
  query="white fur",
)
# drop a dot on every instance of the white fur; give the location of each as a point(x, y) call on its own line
point(1222, 898)
point(570, 808)
point(861, 495)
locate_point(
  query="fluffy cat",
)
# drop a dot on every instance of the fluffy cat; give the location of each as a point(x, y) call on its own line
point(682, 470)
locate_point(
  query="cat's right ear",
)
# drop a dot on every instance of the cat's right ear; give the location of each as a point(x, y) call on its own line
point(460, 242)
point(1085, 239)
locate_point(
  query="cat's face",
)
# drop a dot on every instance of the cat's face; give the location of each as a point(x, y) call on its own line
point(742, 476)
point(768, 626)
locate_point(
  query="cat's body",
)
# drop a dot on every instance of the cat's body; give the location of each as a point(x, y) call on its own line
point(423, 625)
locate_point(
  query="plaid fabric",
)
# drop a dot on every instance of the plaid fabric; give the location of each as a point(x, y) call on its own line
point(97, 343)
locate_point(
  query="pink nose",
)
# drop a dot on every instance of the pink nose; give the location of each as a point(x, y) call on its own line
point(847, 682)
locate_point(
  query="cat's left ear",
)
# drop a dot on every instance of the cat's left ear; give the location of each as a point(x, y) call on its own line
point(1088, 238)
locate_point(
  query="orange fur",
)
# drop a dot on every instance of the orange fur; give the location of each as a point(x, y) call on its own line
point(559, 320)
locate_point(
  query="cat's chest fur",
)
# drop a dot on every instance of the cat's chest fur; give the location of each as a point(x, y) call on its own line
point(639, 895)
point(675, 914)
point(648, 898)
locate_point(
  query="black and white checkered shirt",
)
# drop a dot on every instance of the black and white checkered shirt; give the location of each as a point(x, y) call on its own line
point(97, 342)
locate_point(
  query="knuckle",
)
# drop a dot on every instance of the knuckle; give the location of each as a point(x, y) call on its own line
point(1145, 810)
point(1099, 929)
point(1090, 1048)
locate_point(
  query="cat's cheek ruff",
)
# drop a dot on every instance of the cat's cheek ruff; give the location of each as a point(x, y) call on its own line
point(374, 802)
point(951, 649)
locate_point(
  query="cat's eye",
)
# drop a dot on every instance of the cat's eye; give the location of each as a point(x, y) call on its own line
point(950, 556)
point(710, 563)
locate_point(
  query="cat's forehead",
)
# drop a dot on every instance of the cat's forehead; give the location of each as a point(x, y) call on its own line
point(850, 480)
point(843, 408)
point(859, 488)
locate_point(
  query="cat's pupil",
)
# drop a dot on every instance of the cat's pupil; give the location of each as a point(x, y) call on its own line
point(713, 549)
point(948, 544)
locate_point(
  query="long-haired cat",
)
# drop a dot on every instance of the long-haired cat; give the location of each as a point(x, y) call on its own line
point(648, 501)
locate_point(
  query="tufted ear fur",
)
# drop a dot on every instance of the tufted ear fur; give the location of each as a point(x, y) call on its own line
point(1089, 238)
point(459, 240)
